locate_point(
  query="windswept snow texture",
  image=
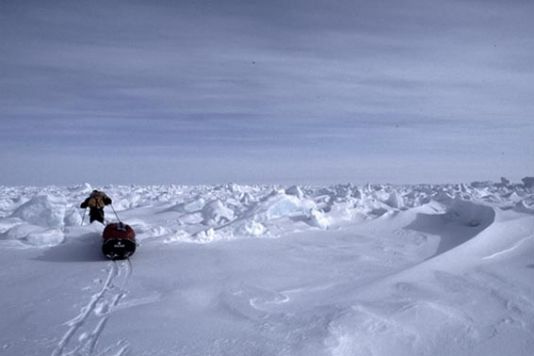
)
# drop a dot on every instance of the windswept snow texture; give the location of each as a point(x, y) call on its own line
point(268, 270)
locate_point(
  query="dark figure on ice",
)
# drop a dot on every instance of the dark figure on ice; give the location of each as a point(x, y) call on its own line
point(96, 202)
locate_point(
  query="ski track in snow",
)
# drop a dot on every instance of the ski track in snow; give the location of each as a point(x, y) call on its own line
point(96, 314)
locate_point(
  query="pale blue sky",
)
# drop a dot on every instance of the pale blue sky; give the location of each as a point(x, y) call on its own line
point(308, 91)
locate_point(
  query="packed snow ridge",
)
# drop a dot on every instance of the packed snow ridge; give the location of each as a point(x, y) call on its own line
point(32, 216)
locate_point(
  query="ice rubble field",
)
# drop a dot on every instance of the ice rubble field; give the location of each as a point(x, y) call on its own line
point(263, 270)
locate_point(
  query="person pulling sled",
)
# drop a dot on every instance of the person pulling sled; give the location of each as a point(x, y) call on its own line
point(118, 239)
point(96, 203)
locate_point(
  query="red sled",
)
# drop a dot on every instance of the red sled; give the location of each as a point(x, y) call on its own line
point(118, 241)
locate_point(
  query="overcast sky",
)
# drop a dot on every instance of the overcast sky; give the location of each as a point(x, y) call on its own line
point(278, 91)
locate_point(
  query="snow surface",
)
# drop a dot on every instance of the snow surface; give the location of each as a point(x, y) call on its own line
point(265, 270)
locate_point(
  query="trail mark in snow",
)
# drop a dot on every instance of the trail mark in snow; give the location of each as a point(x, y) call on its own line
point(95, 314)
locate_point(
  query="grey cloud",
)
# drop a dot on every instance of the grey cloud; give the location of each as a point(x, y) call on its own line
point(257, 79)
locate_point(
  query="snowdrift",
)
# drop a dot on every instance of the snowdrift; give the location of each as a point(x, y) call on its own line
point(270, 270)
point(202, 214)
